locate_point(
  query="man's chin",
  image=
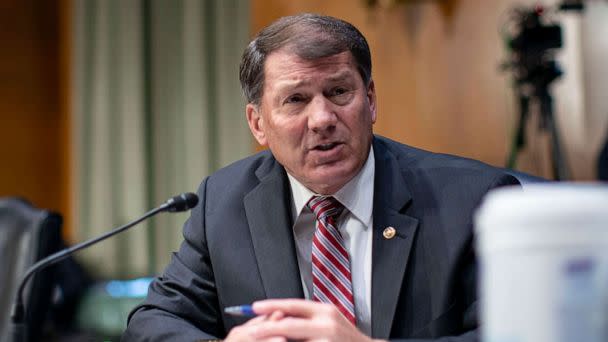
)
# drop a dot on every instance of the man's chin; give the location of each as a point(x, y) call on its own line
point(330, 180)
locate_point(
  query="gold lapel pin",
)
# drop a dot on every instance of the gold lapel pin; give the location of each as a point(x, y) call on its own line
point(389, 233)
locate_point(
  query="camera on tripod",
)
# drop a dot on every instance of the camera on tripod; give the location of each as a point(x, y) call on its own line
point(533, 40)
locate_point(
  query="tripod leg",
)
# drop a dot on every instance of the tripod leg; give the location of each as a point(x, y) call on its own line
point(519, 138)
point(558, 160)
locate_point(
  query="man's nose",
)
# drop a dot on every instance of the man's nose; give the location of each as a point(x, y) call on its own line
point(321, 115)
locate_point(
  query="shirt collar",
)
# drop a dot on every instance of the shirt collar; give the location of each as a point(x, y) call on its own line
point(356, 195)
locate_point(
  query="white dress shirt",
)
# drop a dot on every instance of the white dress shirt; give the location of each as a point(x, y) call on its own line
point(355, 225)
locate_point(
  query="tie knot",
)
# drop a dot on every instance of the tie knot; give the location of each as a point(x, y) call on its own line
point(325, 206)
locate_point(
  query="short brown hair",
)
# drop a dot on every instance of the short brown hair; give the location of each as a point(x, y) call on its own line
point(309, 36)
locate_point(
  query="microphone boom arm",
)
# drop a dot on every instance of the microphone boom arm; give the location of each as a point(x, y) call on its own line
point(185, 201)
point(18, 311)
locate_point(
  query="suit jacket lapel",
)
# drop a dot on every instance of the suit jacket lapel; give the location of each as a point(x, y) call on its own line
point(389, 256)
point(270, 225)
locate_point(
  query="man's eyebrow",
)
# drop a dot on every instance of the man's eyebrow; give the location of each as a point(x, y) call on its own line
point(341, 76)
point(292, 84)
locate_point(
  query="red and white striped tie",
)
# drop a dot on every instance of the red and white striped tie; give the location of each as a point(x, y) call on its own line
point(331, 277)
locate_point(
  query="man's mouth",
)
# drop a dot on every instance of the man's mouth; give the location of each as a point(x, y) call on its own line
point(326, 147)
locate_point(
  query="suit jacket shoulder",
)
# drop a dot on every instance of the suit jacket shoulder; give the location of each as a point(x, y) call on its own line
point(229, 184)
point(415, 159)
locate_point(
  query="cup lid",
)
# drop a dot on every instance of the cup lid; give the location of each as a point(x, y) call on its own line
point(544, 204)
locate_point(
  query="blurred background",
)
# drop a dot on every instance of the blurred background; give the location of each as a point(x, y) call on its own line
point(107, 108)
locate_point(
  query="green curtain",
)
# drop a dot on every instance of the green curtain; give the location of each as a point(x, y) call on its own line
point(157, 106)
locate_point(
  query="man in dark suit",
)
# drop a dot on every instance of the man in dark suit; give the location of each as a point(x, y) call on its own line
point(334, 234)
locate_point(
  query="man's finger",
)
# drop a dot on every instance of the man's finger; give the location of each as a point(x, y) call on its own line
point(290, 327)
point(276, 315)
point(290, 307)
point(256, 320)
point(247, 332)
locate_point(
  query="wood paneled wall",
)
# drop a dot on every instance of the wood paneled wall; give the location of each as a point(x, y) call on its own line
point(34, 121)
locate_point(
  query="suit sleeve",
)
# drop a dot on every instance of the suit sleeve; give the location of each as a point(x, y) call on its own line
point(466, 287)
point(182, 304)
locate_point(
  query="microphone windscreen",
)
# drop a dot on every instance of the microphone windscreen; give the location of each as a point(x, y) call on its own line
point(182, 202)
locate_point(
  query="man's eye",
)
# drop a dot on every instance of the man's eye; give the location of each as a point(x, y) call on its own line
point(341, 95)
point(339, 91)
point(294, 99)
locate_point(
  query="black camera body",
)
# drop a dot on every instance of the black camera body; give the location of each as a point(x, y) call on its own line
point(532, 47)
point(535, 37)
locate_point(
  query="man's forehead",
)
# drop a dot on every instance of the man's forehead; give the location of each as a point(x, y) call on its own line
point(289, 67)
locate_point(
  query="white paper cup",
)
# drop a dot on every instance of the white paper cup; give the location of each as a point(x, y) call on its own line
point(543, 255)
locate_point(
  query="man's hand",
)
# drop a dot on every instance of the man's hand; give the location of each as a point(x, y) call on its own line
point(305, 320)
point(248, 332)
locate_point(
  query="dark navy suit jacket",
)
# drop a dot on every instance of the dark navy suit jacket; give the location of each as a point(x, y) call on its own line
point(239, 248)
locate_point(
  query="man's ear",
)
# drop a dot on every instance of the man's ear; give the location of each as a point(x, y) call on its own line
point(256, 123)
point(371, 99)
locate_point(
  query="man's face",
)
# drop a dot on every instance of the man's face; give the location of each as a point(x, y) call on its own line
point(316, 117)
